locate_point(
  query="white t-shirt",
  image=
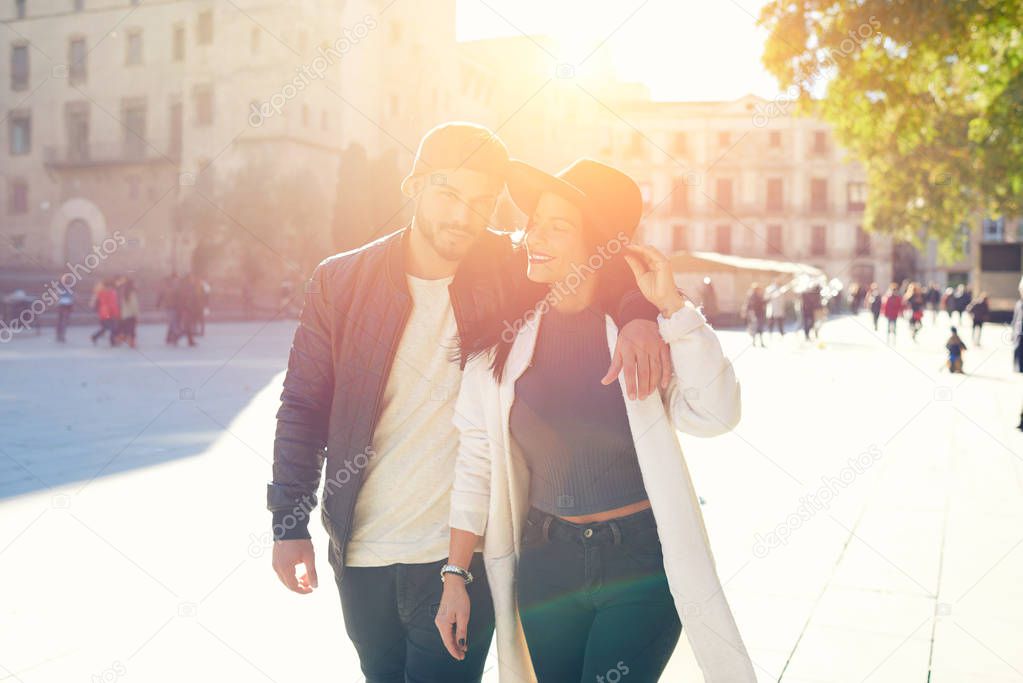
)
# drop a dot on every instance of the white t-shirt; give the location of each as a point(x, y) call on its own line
point(401, 513)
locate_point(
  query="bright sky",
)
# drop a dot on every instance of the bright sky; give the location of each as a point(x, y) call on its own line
point(681, 49)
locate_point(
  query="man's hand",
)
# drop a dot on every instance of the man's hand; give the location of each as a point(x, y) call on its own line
point(287, 556)
point(644, 357)
point(453, 616)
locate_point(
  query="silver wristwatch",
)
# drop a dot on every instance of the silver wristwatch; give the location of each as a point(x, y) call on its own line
point(455, 569)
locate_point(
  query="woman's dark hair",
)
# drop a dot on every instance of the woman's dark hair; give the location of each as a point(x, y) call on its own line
point(515, 296)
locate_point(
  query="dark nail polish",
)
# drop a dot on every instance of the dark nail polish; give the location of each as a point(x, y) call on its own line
point(461, 641)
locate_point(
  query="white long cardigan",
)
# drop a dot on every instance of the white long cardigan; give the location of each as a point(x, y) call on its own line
point(491, 490)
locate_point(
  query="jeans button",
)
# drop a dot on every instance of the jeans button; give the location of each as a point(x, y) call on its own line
point(588, 533)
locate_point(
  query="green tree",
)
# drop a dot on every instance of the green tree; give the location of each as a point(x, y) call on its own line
point(927, 94)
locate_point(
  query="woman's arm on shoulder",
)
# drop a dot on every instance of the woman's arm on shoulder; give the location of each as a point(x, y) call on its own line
point(703, 398)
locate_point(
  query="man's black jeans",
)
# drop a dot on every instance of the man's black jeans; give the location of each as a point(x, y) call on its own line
point(594, 600)
point(389, 613)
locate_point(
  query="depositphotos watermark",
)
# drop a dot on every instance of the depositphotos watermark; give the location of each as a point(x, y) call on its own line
point(302, 512)
point(568, 286)
point(314, 70)
point(811, 504)
point(76, 272)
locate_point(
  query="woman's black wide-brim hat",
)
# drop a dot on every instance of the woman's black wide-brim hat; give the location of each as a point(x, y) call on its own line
point(610, 200)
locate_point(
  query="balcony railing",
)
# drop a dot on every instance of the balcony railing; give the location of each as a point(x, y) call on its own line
point(107, 154)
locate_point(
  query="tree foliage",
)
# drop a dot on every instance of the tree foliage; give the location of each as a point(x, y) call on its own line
point(927, 94)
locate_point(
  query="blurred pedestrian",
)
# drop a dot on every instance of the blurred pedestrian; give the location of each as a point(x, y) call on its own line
point(108, 310)
point(167, 300)
point(777, 296)
point(874, 299)
point(1017, 339)
point(915, 302)
point(755, 311)
point(960, 299)
point(891, 306)
point(980, 310)
point(65, 304)
point(187, 301)
point(948, 302)
point(709, 300)
point(809, 304)
point(129, 311)
point(932, 299)
point(955, 348)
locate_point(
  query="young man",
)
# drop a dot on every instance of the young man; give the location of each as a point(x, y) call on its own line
point(370, 389)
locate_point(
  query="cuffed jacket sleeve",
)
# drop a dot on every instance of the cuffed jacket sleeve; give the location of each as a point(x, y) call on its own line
point(470, 496)
point(703, 397)
point(304, 414)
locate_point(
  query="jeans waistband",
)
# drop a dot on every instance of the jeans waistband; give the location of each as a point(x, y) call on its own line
point(610, 532)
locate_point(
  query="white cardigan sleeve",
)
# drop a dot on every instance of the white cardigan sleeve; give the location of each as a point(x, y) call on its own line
point(703, 397)
point(470, 496)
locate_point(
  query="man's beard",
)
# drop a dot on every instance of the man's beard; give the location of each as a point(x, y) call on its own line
point(449, 247)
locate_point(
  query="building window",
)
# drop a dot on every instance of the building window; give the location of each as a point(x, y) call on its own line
point(19, 67)
point(856, 196)
point(255, 40)
point(20, 133)
point(178, 43)
point(176, 125)
point(820, 142)
point(133, 113)
point(203, 105)
point(862, 241)
point(18, 242)
point(19, 9)
point(636, 149)
point(77, 56)
point(79, 5)
point(775, 202)
point(680, 198)
point(76, 123)
point(724, 138)
point(204, 29)
point(818, 240)
point(133, 54)
point(679, 143)
point(723, 195)
point(723, 239)
point(993, 229)
point(133, 186)
point(774, 239)
point(679, 238)
point(17, 197)
point(819, 194)
point(774, 139)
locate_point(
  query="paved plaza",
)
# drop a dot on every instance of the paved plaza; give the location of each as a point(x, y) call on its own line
point(866, 514)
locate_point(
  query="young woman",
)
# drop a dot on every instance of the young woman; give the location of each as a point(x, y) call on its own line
point(594, 544)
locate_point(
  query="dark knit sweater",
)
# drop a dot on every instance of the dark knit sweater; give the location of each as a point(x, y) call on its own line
point(573, 431)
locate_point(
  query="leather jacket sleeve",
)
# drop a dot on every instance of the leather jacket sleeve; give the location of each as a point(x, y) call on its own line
point(304, 414)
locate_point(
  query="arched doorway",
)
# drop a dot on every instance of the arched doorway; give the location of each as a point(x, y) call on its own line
point(77, 241)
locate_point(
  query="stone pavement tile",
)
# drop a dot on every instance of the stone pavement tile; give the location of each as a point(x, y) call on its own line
point(893, 552)
point(976, 650)
point(846, 655)
point(771, 622)
point(894, 614)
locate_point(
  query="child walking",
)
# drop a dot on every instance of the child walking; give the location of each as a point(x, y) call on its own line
point(955, 348)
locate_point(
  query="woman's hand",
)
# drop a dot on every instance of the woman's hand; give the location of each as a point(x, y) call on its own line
point(654, 277)
point(453, 616)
